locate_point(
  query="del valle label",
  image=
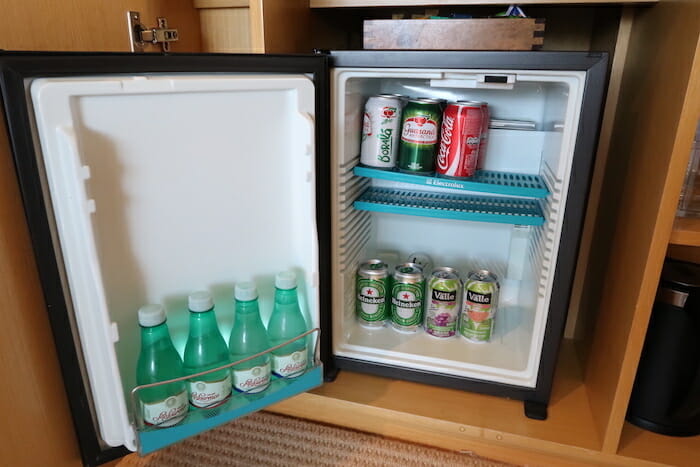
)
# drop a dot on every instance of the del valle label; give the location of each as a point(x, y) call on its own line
point(167, 412)
point(420, 129)
point(289, 366)
point(252, 380)
point(210, 394)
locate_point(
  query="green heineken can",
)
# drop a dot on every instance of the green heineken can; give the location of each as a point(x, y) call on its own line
point(479, 309)
point(407, 297)
point(419, 136)
point(371, 290)
point(443, 297)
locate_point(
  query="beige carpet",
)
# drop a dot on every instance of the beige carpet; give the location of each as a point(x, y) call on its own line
point(265, 439)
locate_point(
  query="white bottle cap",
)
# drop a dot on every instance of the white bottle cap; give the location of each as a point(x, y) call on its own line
point(200, 301)
point(245, 291)
point(286, 280)
point(151, 315)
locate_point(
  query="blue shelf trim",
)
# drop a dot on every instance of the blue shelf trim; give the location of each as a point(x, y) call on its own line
point(469, 208)
point(201, 420)
point(484, 181)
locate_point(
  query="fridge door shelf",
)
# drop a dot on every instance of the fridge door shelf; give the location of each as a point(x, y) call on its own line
point(151, 438)
point(469, 208)
point(484, 181)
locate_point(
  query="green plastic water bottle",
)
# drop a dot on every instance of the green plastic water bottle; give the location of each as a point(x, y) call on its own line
point(206, 349)
point(248, 337)
point(165, 405)
point(287, 322)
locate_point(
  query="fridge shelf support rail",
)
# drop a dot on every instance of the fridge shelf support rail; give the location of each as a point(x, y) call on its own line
point(484, 181)
point(469, 208)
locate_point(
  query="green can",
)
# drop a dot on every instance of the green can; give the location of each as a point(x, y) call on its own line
point(443, 297)
point(407, 297)
point(479, 308)
point(371, 286)
point(419, 136)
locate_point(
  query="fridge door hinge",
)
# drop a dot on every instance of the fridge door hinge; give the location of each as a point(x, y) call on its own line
point(141, 36)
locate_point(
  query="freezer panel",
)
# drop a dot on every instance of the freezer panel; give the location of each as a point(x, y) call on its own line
point(161, 185)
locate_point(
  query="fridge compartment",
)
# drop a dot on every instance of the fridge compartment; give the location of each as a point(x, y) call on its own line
point(448, 206)
point(521, 247)
point(151, 438)
point(484, 181)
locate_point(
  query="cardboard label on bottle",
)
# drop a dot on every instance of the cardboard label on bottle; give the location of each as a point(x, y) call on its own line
point(167, 412)
point(252, 380)
point(210, 394)
point(291, 365)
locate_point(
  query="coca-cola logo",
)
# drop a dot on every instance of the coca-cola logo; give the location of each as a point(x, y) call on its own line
point(445, 142)
point(389, 112)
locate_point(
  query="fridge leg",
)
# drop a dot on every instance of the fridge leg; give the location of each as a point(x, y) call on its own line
point(330, 372)
point(535, 410)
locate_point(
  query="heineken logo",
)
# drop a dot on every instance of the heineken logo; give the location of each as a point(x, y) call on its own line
point(368, 298)
point(405, 303)
point(475, 297)
point(442, 296)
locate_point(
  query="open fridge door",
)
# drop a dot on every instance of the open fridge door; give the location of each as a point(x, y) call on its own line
point(148, 177)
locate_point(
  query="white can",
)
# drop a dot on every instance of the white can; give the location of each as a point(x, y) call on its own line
point(380, 131)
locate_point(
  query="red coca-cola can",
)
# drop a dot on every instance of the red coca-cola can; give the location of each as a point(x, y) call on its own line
point(461, 129)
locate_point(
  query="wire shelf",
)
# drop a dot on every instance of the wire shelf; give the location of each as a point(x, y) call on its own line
point(484, 181)
point(448, 206)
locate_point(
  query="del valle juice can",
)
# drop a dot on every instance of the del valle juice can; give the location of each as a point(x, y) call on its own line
point(443, 296)
point(419, 136)
point(479, 309)
point(371, 290)
point(458, 154)
point(407, 297)
point(380, 131)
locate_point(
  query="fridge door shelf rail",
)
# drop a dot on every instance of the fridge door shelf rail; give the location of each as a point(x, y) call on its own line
point(469, 208)
point(151, 438)
point(484, 181)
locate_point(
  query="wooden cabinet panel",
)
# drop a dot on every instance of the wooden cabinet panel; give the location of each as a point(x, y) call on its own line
point(92, 25)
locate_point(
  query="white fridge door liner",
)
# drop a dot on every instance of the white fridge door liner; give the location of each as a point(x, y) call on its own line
point(161, 185)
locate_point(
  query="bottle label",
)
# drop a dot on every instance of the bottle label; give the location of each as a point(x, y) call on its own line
point(167, 412)
point(290, 366)
point(210, 394)
point(252, 380)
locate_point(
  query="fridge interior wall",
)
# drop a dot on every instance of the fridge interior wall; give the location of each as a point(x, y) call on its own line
point(523, 257)
point(163, 185)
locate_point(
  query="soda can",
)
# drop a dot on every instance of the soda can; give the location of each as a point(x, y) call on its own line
point(419, 136)
point(458, 154)
point(486, 120)
point(477, 319)
point(371, 289)
point(443, 296)
point(380, 131)
point(407, 297)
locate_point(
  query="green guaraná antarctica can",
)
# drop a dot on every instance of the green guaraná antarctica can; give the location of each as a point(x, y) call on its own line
point(479, 309)
point(419, 136)
point(407, 297)
point(371, 288)
point(443, 297)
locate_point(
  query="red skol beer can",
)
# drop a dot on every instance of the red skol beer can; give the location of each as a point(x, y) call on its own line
point(461, 130)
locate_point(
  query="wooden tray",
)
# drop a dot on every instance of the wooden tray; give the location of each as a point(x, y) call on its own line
point(455, 34)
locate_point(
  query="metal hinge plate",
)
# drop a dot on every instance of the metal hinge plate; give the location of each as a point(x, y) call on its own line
point(141, 36)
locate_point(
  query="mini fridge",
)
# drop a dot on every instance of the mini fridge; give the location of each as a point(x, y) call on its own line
point(145, 177)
